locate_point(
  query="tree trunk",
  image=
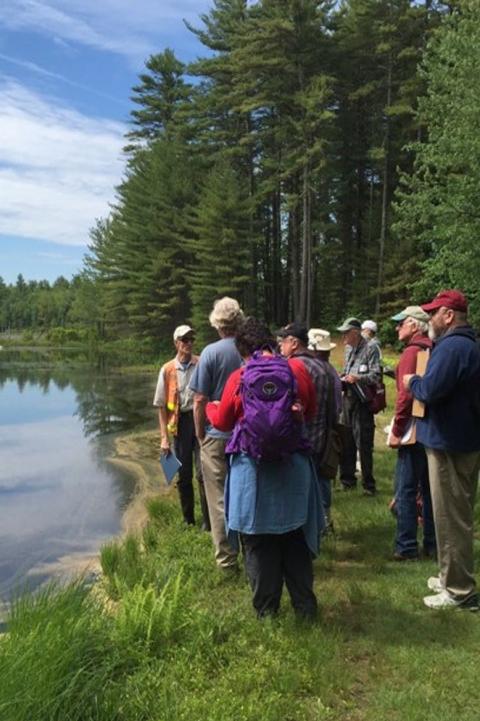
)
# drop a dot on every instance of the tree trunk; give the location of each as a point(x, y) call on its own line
point(383, 227)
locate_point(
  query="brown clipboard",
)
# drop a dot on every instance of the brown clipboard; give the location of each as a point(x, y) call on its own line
point(418, 408)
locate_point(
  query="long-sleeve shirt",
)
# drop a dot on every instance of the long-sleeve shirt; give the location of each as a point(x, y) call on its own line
point(225, 414)
point(406, 365)
point(450, 389)
point(363, 360)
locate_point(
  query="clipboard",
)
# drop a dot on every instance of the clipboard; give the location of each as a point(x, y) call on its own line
point(418, 408)
point(170, 465)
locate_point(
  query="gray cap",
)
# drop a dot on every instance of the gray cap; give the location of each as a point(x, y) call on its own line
point(349, 324)
point(411, 311)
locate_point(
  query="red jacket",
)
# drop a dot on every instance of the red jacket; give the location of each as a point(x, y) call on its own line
point(407, 364)
point(225, 414)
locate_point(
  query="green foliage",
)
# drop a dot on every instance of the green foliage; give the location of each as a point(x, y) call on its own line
point(188, 646)
point(438, 204)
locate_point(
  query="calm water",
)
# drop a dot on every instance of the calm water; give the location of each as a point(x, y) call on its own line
point(59, 497)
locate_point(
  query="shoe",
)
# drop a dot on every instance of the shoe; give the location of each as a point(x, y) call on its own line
point(402, 557)
point(434, 584)
point(445, 600)
point(348, 486)
point(430, 553)
point(369, 492)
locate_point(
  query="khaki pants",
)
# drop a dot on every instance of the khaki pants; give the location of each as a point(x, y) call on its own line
point(453, 485)
point(214, 468)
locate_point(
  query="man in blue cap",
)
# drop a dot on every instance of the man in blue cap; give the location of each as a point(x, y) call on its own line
point(411, 474)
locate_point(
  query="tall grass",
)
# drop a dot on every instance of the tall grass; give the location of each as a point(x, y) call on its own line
point(179, 642)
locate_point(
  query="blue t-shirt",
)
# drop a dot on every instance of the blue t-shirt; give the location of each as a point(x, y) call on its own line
point(217, 362)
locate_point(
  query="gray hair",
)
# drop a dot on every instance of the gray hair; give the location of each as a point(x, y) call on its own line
point(422, 325)
point(226, 315)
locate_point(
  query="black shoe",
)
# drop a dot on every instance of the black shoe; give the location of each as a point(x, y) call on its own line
point(402, 557)
point(348, 486)
point(370, 492)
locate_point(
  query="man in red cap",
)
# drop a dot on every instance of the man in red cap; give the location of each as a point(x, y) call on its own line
point(450, 432)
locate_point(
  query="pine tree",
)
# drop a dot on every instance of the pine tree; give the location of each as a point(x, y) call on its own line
point(221, 245)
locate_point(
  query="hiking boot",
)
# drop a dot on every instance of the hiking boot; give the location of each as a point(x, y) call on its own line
point(434, 584)
point(402, 557)
point(445, 600)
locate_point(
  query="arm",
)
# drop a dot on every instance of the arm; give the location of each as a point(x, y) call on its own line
point(306, 389)
point(446, 367)
point(159, 402)
point(403, 404)
point(162, 421)
point(374, 373)
point(226, 412)
point(199, 403)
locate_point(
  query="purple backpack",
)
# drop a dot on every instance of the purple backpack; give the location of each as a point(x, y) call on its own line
point(268, 430)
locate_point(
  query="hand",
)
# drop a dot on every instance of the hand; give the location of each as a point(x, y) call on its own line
point(164, 447)
point(406, 380)
point(297, 410)
point(394, 441)
point(351, 378)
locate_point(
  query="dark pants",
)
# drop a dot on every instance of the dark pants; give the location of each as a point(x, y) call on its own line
point(186, 447)
point(358, 437)
point(411, 477)
point(325, 486)
point(272, 559)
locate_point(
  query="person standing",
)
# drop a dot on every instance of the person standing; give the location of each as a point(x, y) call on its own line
point(273, 498)
point(450, 432)
point(411, 474)
point(362, 368)
point(217, 361)
point(174, 401)
point(293, 341)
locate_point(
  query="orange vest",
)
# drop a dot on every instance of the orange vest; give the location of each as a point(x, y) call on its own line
point(172, 396)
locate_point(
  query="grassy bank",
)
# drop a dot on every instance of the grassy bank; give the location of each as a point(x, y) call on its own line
point(164, 637)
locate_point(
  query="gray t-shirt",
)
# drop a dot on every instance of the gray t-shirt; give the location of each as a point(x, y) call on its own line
point(217, 361)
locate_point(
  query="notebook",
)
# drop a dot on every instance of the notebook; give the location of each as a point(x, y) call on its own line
point(170, 465)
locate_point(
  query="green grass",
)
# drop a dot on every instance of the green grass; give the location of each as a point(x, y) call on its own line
point(165, 637)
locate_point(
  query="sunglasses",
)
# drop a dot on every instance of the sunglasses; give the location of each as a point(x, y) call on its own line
point(187, 339)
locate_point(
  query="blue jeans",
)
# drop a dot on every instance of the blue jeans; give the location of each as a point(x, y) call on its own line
point(411, 476)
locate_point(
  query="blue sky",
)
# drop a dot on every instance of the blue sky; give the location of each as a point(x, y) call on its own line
point(66, 70)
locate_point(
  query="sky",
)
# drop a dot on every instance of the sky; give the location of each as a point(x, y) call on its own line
point(66, 72)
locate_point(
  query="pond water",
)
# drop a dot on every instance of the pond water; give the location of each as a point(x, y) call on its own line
point(60, 498)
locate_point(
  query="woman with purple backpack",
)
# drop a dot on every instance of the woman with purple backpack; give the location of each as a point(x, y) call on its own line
point(272, 497)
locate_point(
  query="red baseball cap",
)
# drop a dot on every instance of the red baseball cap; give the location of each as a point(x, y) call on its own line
point(453, 299)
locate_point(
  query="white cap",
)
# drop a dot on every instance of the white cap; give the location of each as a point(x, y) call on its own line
point(319, 339)
point(182, 330)
point(369, 325)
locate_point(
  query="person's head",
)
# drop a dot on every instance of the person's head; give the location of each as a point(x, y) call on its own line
point(351, 330)
point(183, 338)
point(411, 321)
point(293, 338)
point(320, 343)
point(252, 335)
point(369, 329)
point(446, 311)
point(226, 316)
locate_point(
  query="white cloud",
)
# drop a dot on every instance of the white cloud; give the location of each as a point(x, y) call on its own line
point(122, 26)
point(58, 168)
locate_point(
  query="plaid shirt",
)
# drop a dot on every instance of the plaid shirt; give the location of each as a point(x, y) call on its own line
point(319, 373)
point(363, 361)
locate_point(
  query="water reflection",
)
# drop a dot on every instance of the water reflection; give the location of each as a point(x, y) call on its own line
point(58, 495)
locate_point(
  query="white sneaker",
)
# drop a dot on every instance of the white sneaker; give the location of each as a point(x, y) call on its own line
point(434, 584)
point(445, 600)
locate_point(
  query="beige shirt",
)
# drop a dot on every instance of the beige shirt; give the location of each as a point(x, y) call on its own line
point(184, 375)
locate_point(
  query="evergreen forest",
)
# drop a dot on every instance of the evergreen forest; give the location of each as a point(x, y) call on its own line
point(318, 159)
